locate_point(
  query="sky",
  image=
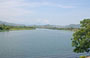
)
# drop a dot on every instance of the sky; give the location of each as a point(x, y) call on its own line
point(39, 12)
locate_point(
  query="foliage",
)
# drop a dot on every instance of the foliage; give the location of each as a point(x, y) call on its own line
point(4, 27)
point(82, 56)
point(81, 38)
point(7, 28)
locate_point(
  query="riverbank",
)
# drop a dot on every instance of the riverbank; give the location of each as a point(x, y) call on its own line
point(22, 28)
point(17, 29)
point(13, 29)
point(71, 29)
point(9, 28)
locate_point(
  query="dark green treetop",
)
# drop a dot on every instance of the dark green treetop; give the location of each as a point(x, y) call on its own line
point(81, 38)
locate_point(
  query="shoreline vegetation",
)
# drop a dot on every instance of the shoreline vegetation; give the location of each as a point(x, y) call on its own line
point(56, 28)
point(4, 27)
point(71, 29)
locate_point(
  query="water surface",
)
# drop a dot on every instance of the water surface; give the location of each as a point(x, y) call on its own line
point(40, 43)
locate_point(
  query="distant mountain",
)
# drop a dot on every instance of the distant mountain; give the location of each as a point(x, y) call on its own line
point(58, 26)
point(10, 24)
point(44, 26)
point(73, 26)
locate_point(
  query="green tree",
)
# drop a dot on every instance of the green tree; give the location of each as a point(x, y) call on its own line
point(81, 38)
point(4, 27)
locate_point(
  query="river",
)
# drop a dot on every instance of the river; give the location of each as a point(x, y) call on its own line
point(40, 43)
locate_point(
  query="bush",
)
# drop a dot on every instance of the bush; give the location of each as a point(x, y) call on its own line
point(82, 56)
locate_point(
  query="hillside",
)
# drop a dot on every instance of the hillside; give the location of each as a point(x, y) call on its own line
point(44, 26)
point(58, 26)
point(10, 24)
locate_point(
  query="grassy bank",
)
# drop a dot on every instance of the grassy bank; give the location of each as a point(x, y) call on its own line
point(22, 28)
point(8, 28)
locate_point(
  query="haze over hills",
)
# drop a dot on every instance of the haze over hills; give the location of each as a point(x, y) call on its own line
point(73, 26)
point(58, 26)
point(10, 24)
point(43, 26)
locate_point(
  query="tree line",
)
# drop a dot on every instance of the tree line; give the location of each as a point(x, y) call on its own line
point(4, 27)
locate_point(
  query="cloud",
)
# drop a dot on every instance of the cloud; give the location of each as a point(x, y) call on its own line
point(43, 21)
point(46, 21)
point(10, 10)
point(40, 4)
point(62, 6)
point(19, 3)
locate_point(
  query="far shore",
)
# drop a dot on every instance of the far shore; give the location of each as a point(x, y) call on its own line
point(14, 29)
point(88, 57)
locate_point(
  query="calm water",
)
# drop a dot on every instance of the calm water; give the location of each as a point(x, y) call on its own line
point(40, 43)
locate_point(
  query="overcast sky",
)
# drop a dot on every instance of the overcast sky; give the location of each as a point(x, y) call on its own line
point(55, 12)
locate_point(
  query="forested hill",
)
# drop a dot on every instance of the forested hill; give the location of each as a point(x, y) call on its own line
point(73, 26)
point(10, 24)
point(58, 26)
point(44, 26)
point(5, 26)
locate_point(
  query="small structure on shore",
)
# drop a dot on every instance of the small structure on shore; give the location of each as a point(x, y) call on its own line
point(88, 57)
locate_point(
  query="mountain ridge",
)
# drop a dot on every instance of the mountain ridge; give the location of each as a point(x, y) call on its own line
point(44, 26)
point(10, 24)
